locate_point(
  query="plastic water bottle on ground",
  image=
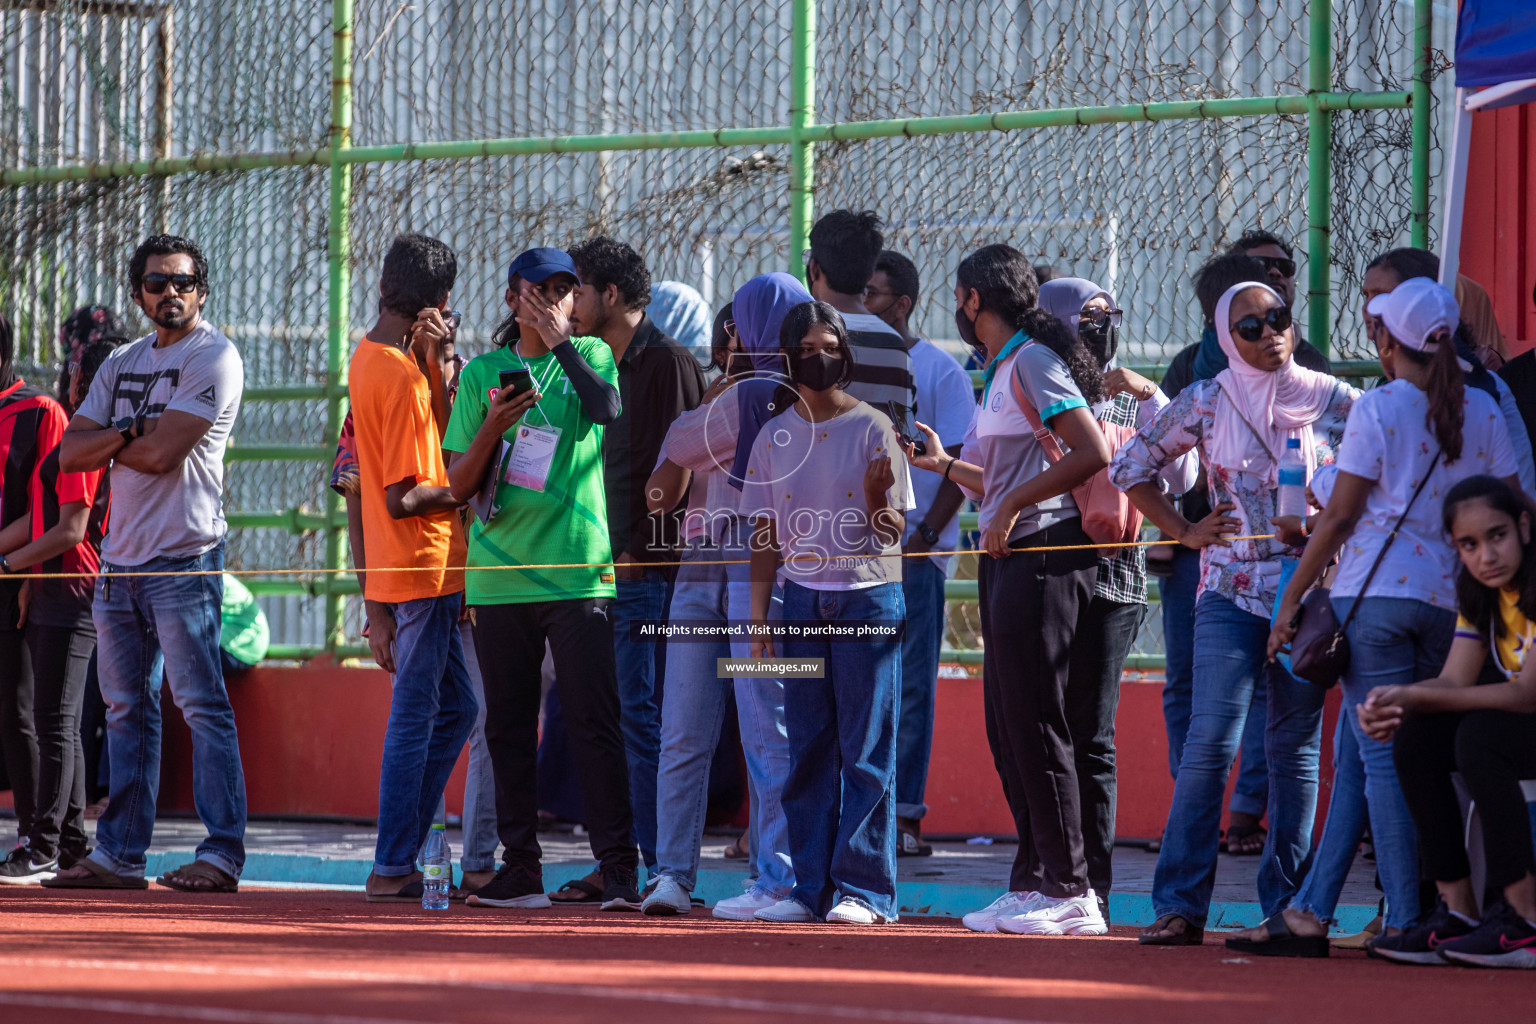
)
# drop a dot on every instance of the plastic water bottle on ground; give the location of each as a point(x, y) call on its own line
point(436, 870)
point(1293, 481)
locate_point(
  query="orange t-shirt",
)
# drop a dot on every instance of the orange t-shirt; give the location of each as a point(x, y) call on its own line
point(397, 439)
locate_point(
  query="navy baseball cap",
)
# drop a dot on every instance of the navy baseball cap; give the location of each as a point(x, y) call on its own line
point(537, 264)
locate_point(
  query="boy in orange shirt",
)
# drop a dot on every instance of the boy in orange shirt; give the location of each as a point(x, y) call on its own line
point(399, 410)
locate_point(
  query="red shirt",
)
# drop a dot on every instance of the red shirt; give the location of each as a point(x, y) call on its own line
point(31, 424)
point(67, 602)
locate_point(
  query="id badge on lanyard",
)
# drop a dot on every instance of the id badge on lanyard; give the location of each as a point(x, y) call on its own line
point(533, 448)
point(532, 454)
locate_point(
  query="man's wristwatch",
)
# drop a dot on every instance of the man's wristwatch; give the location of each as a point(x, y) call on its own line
point(124, 425)
point(5, 567)
point(929, 534)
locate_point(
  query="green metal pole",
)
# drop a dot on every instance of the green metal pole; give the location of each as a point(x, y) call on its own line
point(1422, 13)
point(1319, 173)
point(802, 115)
point(338, 321)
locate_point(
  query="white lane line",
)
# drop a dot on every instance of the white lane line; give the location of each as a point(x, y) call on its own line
point(166, 1011)
point(450, 979)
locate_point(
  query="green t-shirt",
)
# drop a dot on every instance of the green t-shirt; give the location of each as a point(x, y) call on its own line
point(567, 522)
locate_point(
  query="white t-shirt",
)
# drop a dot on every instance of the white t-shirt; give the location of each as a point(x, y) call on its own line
point(179, 514)
point(1386, 439)
point(809, 478)
point(946, 401)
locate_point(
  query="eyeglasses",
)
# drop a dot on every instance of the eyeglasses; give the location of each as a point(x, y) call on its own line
point(155, 283)
point(1098, 317)
point(805, 257)
point(730, 328)
point(876, 293)
point(1284, 264)
point(1251, 328)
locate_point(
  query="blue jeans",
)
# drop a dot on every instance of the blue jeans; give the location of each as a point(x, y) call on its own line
point(839, 799)
point(143, 622)
point(1251, 793)
point(1393, 641)
point(479, 853)
point(1229, 659)
point(691, 718)
point(640, 602)
point(922, 588)
point(431, 714)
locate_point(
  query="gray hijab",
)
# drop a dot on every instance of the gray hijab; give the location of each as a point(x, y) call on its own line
point(1064, 298)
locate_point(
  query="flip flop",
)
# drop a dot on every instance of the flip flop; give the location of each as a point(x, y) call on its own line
point(580, 890)
point(410, 892)
point(199, 876)
point(99, 878)
point(1282, 942)
point(1192, 935)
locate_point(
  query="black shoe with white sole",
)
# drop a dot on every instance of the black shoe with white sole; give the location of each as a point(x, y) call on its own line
point(1503, 939)
point(619, 892)
point(21, 869)
point(1420, 942)
point(513, 886)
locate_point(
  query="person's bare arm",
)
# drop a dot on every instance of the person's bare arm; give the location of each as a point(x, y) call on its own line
point(939, 460)
point(666, 487)
point(428, 334)
point(406, 498)
point(467, 469)
point(1089, 454)
point(945, 504)
point(355, 537)
point(74, 518)
point(765, 564)
point(167, 441)
point(1334, 527)
point(16, 534)
point(1454, 689)
point(88, 446)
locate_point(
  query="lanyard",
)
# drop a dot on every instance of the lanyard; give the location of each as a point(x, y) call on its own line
point(541, 385)
point(1015, 342)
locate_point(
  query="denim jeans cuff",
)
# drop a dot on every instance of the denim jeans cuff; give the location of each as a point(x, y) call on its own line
point(112, 864)
point(477, 865)
point(392, 870)
point(221, 862)
point(1301, 906)
point(913, 811)
point(1247, 805)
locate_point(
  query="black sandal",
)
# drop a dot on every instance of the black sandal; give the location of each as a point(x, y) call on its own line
point(580, 890)
point(1192, 935)
point(1246, 840)
point(1282, 942)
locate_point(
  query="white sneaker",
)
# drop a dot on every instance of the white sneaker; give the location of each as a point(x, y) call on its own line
point(1074, 915)
point(985, 919)
point(786, 911)
point(851, 911)
point(741, 908)
point(667, 899)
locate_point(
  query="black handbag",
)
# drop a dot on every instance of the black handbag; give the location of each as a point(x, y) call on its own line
point(1320, 648)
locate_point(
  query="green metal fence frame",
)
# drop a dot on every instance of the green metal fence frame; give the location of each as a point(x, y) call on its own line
point(801, 135)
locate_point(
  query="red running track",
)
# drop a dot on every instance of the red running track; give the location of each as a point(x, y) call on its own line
point(285, 957)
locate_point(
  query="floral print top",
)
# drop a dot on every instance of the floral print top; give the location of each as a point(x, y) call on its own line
point(1248, 572)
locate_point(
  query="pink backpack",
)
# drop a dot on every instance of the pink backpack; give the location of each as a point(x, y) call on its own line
point(1107, 514)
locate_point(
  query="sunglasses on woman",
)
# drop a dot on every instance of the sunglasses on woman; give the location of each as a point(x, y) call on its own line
point(155, 283)
point(1098, 317)
point(1251, 328)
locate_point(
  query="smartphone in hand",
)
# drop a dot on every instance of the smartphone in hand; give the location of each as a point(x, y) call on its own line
point(518, 381)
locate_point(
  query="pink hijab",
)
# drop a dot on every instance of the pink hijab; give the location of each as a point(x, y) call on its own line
point(1279, 404)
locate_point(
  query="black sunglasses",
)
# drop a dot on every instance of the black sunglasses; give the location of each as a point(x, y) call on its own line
point(155, 283)
point(1251, 328)
point(1284, 264)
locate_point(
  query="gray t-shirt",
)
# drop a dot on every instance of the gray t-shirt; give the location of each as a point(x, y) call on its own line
point(1002, 442)
point(809, 478)
point(178, 514)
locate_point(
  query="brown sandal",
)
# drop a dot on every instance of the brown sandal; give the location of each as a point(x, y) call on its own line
point(738, 849)
point(199, 876)
point(1161, 932)
point(580, 890)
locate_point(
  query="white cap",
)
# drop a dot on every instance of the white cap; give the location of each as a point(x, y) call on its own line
point(1415, 310)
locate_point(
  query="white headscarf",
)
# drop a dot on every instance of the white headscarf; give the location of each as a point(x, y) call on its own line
point(1278, 405)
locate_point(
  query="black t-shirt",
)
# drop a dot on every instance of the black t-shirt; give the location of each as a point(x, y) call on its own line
point(1520, 374)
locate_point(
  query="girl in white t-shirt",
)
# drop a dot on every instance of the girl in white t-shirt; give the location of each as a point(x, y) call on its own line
point(1419, 434)
point(828, 489)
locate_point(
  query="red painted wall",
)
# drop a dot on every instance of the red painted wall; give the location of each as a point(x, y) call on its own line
point(311, 740)
point(1498, 239)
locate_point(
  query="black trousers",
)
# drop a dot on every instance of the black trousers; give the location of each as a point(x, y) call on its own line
point(18, 734)
point(1031, 603)
point(1493, 751)
point(60, 659)
point(509, 644)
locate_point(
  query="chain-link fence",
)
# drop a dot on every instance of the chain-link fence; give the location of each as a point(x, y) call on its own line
point(1133, 202)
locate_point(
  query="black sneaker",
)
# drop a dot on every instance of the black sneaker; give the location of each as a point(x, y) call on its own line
point(20, 869)
point(1420, 942)
point(619, 892)
point(1504, 939)
point(513, 886)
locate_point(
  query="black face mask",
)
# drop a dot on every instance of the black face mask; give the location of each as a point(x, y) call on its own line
point(818, 370)
point(967, 328)
point(1101, 340)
